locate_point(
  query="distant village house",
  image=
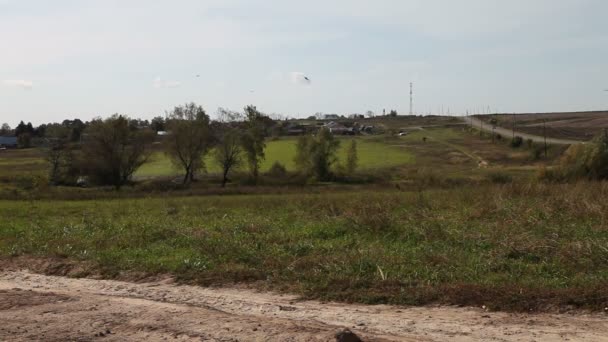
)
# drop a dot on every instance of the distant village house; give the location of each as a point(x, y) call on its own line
point(8, 142)
point(331, 117)
point(337, 128)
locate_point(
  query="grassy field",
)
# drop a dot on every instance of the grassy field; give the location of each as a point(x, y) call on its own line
point(13, 161)
point(450, 155)
point(451, 217)
point(373, 154)
point(513, 247)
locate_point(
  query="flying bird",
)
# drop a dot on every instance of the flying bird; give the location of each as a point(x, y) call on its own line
point(306, 78)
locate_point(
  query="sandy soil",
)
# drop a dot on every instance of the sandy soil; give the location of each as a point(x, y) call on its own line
point(39, 307)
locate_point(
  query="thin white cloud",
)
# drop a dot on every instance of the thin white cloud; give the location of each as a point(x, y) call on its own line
point(298, 77)
point(172, 84)
point(19, 83)
point(160, 83)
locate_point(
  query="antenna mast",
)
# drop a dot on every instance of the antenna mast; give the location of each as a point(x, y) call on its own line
point(411, 98)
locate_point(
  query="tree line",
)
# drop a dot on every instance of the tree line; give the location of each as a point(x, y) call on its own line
point(109, 151)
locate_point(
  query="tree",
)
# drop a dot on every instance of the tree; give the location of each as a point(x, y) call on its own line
point(351, 158)
point(316, 155)
point(252, 140)
point(226, 115)
point(392, 113)
point(189, 140)
point(113, 151)
point(40, 131)
point(324, 154)
point(24, 140)
point(303, 158)
point(58, 154)
point(20, 129)
point(158, 124)
point(76, 127)
point(228, 152)
point(5, 129)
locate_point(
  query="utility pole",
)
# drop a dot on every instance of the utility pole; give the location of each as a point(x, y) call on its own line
point(411, 98)
point(545, 135)
point(513, 126)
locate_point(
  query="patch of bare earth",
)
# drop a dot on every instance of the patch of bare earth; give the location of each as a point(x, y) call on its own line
point(52, 308)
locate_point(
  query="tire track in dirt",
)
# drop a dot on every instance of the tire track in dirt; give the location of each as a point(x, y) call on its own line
point(38, 307)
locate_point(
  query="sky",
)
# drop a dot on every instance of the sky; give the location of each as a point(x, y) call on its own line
point(86, 58)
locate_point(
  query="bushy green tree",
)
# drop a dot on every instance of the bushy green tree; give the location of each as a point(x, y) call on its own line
point(112, 151)
point(189, 139)
point(352, 159)
point(316, 155)
point(158, 124)
point(59, 154)
point(303, 157)
point(228, 152)
point(5, 129)
point(253, 140)
point(24, 140)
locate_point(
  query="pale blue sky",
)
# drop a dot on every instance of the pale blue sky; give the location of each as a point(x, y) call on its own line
point(83, 58)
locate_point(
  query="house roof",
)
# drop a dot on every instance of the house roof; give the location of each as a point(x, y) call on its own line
point(9, 141)
point(333, 124)
point(331, 116)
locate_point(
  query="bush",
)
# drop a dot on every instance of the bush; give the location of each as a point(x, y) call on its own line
point(500, 178)
point(586, 161)
point(547, 174)
point(277, 170)
point(537, 152)
point(517, 141)
point(30, 182)
point(530, 143)
point(429, 177)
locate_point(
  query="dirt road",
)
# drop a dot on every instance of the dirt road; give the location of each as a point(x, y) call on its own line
point(507, 133)
point(38, 307)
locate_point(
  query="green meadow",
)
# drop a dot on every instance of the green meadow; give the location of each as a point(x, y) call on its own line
point(372, 154)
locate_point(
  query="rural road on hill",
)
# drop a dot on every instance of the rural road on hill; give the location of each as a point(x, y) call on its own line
point(507, 133)
point(39, 307)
